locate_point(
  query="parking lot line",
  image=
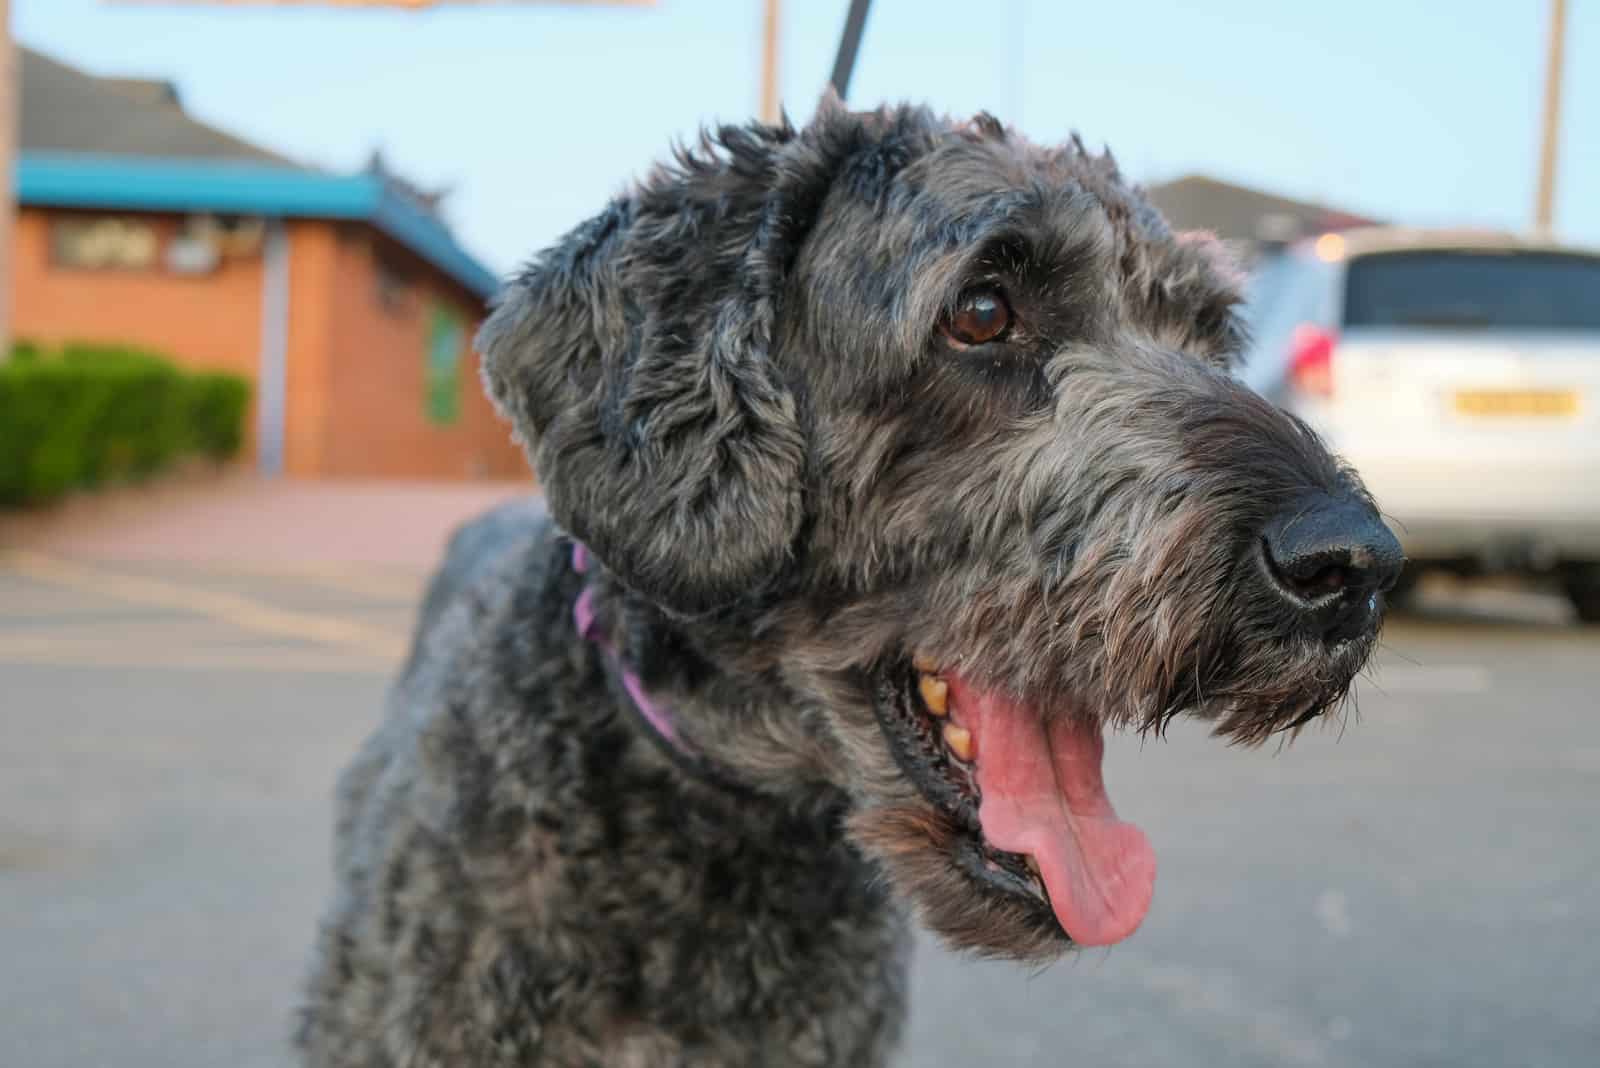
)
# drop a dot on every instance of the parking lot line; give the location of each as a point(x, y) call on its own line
point(382, 584)
point(55, 652)
point(240, 611)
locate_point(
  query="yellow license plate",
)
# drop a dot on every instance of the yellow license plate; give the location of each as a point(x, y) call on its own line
point(1524, 403)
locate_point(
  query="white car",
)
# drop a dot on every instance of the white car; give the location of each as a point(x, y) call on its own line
point(1459, 372)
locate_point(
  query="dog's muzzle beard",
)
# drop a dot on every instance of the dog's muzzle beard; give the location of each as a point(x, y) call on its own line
point(1015, 782)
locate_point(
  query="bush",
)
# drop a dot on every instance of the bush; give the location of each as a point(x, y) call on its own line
point(216, 410)
point(25, 351)
point(94, 414)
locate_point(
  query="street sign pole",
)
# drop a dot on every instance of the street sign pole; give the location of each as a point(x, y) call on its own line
point(1544, 207)
point(771, 104)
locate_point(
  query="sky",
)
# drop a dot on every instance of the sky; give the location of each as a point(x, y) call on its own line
point(1417, 111)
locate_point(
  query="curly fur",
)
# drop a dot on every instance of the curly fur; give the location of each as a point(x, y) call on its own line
point(732, 384)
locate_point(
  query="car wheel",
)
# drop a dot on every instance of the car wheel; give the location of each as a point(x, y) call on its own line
point(1584, 590)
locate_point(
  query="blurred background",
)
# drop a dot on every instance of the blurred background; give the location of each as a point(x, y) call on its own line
point(244, 248)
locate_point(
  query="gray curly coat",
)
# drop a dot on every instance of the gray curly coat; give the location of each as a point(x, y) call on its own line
point(742, 393)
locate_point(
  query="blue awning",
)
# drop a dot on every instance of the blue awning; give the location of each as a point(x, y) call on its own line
point(134, 183)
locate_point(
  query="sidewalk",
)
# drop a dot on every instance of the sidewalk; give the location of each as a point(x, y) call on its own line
point(240, 518)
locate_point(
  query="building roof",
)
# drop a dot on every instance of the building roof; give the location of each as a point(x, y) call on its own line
point(1239, 213)
point(126, 144)
point(66, 110)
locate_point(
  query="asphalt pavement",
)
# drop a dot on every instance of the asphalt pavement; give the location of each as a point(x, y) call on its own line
point(1420, 887)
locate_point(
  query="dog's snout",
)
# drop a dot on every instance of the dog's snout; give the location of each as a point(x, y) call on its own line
point(1329, 558)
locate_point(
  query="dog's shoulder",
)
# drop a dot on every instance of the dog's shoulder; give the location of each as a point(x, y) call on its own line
point(469, 610)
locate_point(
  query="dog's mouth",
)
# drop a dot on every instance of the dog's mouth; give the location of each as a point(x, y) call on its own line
point(1025, 787)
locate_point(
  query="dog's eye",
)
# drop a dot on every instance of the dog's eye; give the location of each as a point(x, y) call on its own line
point(980, 316)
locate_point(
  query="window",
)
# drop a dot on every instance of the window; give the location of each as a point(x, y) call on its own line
point(1288, 290)
point(394, 286)
point(1467, 289)
point(104, 243)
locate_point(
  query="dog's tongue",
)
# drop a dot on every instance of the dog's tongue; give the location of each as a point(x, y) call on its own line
point(1043, 795)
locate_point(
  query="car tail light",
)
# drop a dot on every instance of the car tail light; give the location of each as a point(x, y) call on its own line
point(1311, 360)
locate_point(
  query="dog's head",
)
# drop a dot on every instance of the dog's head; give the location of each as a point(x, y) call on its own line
point(926, 437)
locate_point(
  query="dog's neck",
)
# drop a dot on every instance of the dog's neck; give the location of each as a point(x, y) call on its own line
point(656, 715)
point(709, 709)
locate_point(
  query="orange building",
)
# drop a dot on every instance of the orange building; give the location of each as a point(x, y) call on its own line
point(344, 298)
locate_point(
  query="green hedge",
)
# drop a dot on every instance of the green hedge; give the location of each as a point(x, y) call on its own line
point(217, 404)
point(90, 414)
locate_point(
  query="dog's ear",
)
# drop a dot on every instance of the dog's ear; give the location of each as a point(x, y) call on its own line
point(634, 360)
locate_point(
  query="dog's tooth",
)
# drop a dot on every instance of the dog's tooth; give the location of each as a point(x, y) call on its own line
point(935, 694)
point(959, 739)
point(1033, 865)
point(924, 663)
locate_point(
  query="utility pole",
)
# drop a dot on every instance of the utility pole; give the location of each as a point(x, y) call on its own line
point(10, 89)
point(771, 24)
point(1544, 208)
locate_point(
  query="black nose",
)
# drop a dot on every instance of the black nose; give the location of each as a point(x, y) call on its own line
point(1329, 558)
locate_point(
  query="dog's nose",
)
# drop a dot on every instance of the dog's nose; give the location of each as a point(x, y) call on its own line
point(1329, 558)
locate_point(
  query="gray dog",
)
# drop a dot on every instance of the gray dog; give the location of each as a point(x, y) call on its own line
point(889, 462)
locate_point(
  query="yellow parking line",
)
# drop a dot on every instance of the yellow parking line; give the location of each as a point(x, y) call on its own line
point(392, 585)
point(228, 607)
point(37, 652)
point(185, 631)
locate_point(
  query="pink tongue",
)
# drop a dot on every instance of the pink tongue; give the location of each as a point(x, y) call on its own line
point(1043, 796)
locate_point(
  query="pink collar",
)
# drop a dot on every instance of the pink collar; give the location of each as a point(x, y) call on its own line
point(655, 714)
